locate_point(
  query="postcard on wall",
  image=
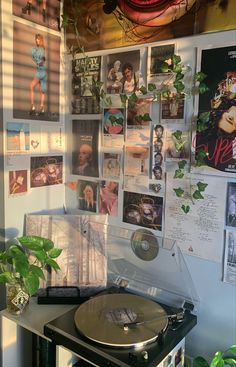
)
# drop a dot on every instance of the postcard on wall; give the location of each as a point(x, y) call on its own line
point(108, 197)
point(200, 232)
point(138, 122)
point(85, 135)
point(18, 137)
point(177, 144)
point(113, 127)
point(136, 166)
point(46, 12)
point(143, 210)
point(111, 165)
point(36, 73)
point(123, 72)
point(18, 182)
point(84, 247)
point(172, 109)
point(231, 204)
point(87, 192)
point(46, 171)
point(229, 272)
point(86, 72)
point(52, 139)
point(160, 62)
point(215, 139)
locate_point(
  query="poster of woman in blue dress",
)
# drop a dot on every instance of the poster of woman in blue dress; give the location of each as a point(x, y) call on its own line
point(36, 74)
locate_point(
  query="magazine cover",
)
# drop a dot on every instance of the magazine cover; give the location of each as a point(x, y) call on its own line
point(111, 165)
point(215, 144)
point(85, 72)
point(143, 210)
point(46, 171)
point(87, 195)
point(85, 147)
point(136, 167)
point(113, 127)
point(108, 197)
point(123, 72)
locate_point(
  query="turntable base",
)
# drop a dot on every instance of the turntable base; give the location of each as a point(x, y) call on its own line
point(121, 320)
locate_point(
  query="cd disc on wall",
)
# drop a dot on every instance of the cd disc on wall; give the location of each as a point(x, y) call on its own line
point(144, 244)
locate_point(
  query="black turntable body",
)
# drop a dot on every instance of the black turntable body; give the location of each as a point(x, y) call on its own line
point(63, 331)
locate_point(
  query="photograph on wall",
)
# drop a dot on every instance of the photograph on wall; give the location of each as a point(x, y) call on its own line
point(36, 73)
point(85, 73)
point(113, 127)
point(123, 72)
point(43, 12)
point(18, 182)
point(18, 137)
point(46, 171)
point(172, 109)
point(85, 135)
point(143, 210)
point(160, 63)
point(83, 261)
point(138, 121)
point(111, 165)
point(108, 197)
point(177, 145)
point(229, 272)
point(87, 192)
point(231, 204)
point(136, 166)
point(215, 140)
point(52, 139)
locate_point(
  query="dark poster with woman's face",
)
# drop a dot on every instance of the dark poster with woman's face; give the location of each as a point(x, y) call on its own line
point(216, 127)
point(36, 74)
point(43, 12)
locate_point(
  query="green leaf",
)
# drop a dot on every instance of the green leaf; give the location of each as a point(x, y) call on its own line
point(197, 195)
point(203, 88)
point(47, 244)
point(182, 164)
point(164, 67)
point(133, 98)
point(200, 157)
point(232, 349)
point(180, 146)
point(200, 76)
point(40, 255)
point(217, 361)
point(201, 186)
point(5, 277)
point(36, 270)
point(179, 192)
point(179, 173)
point(230, 362)
point(176, 59)
point(179, 86)
point(179, 76)
point(55, 252)
point(21, 266)
point(185, 208)
point(143, 89)
point(151, 87)
point(31, 283)
point(177, 134)
point(31, 242)
point(200, 362)
point(53, 264)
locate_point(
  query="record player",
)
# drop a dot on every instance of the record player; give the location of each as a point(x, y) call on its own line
point(143, 315)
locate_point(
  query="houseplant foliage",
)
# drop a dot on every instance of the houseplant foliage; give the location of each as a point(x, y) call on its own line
point(220, 359)
point(24, 260)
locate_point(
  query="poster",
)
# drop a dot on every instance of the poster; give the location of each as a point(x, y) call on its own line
point(108, 197)
point(143, 210)
point(18, 182)
point(111, 165)
point(123, 72)
point(85, 73)
point(44, 12)
point(113, 127)
point(136, 167)
point(36, 73)
point(18, 137)
point(85, 147)
point(87, 195)
point(46, 171)
point(231, 204)
point(229, 272)
point(216, 127)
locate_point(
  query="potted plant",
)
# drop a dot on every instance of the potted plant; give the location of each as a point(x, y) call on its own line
point(220, 359)
point(21, 268)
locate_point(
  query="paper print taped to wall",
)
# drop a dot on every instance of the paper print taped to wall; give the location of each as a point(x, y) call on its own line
point(87, 192)
point(36, 74)
point(83, 261)
point(85, 136)
point(44, 12)
point(143, 210)
point(18, 137)
point(229, 273)
point(46, 171)
point(124, 23)
point(18, 182)
point(215, 141)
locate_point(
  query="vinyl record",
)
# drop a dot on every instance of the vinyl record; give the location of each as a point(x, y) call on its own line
point(104, 319)
point(144, 244)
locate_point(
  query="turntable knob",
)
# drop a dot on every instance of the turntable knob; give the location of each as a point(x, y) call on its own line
point(145, 355)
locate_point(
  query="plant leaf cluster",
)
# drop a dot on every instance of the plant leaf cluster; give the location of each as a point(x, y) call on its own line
point(220, 359)
point(24, 261)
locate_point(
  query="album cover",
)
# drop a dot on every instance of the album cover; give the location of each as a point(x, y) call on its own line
point(85, 74)
point(46, 171)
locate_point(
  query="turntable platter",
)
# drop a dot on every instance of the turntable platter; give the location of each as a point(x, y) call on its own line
point(103, 320)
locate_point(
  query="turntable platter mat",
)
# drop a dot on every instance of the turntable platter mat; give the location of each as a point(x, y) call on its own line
point(102, 320)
